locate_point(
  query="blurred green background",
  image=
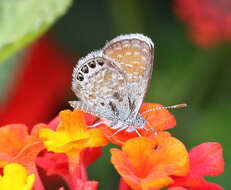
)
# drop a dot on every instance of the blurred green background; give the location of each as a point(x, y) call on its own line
point(182, 73)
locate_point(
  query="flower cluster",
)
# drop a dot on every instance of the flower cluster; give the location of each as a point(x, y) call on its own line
point(67, 146)
point(208, 21)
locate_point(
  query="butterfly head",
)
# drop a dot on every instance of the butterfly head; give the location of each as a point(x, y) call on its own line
point(139, 122)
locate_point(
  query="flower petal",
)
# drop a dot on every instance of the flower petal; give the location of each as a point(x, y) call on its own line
point(177, 188)
point(24, 148)
point(89, 118)
point(53, 163)
point(206, 160)
point(149, 163)
point(160, 120)
point(15, 176)
point(16, 135)
point(72, 134)
point(72, 123)
point(124, 168)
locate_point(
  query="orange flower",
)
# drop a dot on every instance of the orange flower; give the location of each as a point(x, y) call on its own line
point(146, 163)
point(72, 134)
point(19, 147)
point(160, 120)
point(71, 137)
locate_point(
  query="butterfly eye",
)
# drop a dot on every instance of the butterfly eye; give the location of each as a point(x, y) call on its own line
point(80, 77)
point(92, 64)
point(100, 62)
point(84, 69)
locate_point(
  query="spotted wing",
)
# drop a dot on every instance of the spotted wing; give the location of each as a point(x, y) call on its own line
point(134, 55)
point(101, 88)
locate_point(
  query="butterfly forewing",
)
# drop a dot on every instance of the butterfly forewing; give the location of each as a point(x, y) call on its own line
point(99, 84)
point(134, 55)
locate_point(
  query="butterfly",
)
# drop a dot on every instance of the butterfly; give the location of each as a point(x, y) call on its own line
point(111, 83)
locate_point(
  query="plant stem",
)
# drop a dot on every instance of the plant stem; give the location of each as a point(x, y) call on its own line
point(74, 170)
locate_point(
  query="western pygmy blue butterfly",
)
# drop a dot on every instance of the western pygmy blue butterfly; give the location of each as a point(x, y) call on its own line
point(111, 83)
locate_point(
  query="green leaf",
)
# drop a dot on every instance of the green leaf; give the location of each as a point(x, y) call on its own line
point(22, 21)
point(9, 73)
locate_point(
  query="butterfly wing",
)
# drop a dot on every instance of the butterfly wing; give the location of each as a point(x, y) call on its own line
point(99, 84)
point(134, 54)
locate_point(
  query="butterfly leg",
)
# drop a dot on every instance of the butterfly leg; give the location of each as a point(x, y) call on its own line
point(96, 124)
point(133, 128)
point(138, 133)
point(121, 129)
point(104, 121)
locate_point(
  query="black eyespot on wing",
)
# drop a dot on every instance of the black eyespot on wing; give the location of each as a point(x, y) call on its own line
point(85, 69)
point(92, 64)
point(80, 76)
point(100, 62)
point(102, 103)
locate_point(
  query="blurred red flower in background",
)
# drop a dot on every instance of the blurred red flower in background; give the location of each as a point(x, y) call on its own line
point(209, 21)
point(43, 82)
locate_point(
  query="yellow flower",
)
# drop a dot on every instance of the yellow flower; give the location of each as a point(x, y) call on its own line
point(72, 134)
point(15, 177)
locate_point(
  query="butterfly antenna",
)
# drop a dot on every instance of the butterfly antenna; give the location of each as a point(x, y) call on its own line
point(155, 132)
point(167, 107)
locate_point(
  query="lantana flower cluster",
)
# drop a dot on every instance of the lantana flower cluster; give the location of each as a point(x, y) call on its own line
point(67, 146)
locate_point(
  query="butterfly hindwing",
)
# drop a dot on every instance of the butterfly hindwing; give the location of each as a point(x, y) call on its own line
point(134, 55)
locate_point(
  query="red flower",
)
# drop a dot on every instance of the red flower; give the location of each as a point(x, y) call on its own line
point(209, 21)
point(205, 160)
point(54, 163)
point(160, 120)
point(44, 80)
